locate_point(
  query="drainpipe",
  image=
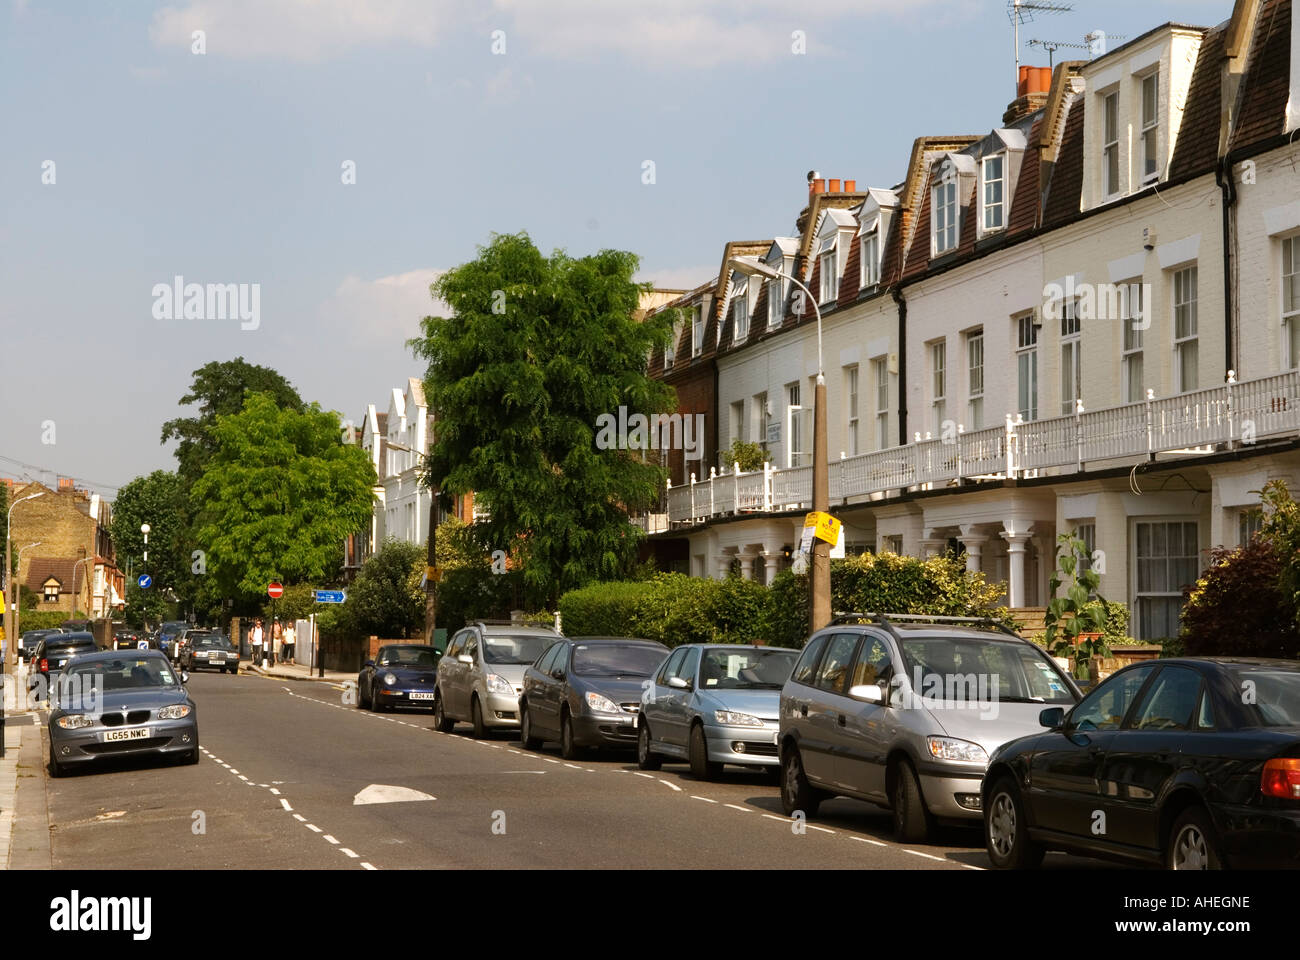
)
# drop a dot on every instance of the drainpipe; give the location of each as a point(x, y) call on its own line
point(1223, 177)
point(897, 293)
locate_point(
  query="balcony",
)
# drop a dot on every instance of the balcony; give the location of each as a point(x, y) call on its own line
point(1226, 417)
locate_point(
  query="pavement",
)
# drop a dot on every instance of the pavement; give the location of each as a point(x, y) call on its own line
point(298, 671)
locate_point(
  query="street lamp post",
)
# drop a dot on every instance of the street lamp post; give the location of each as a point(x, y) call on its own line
point(819, 593)
point(11, 614)
point(431, 553)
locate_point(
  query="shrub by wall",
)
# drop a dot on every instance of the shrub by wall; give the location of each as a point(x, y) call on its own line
point(1238, 606)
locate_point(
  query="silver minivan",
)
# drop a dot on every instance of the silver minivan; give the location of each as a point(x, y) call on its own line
point(481, 675)
point(904, 712)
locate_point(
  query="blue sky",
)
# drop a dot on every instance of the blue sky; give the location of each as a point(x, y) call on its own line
point(226, 167)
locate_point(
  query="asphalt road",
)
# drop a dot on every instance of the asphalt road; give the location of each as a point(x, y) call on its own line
point(283, 764)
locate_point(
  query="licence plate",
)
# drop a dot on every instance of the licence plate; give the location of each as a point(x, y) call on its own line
point(142, 733)
point(421, 696)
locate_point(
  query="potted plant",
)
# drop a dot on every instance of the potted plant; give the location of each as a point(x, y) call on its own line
point(1076, 623)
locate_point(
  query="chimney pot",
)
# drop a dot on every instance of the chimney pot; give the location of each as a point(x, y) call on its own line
point(819, 185)
point(834, 187)
point(850, 186)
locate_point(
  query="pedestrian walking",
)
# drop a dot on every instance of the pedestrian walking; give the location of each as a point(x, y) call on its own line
point(290, 642)
point(277, 639)
point(256, 641)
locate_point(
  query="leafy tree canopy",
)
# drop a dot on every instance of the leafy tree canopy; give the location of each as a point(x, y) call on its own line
point(278, 497)
point(156, 500)
point(535, 351)
point(386, 600)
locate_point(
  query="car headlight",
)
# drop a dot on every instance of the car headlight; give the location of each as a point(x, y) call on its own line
point(499, 684)
point(729, 719)
point(599, 704)
point(174, 712)
point(946, 748)
point(390, 678)
point(75, 721)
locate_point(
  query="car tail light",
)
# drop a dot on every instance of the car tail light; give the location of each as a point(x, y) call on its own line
point(45, 665)
point(1281, 778)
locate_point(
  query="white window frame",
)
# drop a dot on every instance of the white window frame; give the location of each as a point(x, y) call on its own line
point(880, 372)
point(697, 330)
point(670, 353)
point(794, 410)
point(760, 420)
point(1174, 592)
point(1185, 299)
point(943, 225)
point(828, 287)
point(1071, 356)
point(870, 259)
point(1110, 181)
point(937, 353)
point(1000, 207)
point(1290, 284)
point(1249, 521)
point(1132, 356)
point(975, 378)
point(1149, 136)
point(737, 423)
point(851, 407)
point(741, 299)
point(1027, 328)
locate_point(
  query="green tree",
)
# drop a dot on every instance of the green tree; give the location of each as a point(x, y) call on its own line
point(155, 499)
point(750, 456)
point(457, 546)
point(536, 350)
point(279, 494)
point(385, 599)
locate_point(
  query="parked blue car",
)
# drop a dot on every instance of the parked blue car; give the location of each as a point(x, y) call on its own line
point(401, 675)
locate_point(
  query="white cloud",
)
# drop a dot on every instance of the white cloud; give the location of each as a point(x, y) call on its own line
point(678, 278)
point(388, 308)
point(301, 30)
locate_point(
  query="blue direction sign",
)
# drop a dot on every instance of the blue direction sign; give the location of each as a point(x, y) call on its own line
point(330, 596)
point(145, 581)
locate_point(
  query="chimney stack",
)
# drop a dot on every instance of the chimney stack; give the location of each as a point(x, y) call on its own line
point(66, 484)
point(1031, 93)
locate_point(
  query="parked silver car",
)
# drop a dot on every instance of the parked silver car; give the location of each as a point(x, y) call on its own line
point(711, 704)
point(904, 712)
point(481, 675)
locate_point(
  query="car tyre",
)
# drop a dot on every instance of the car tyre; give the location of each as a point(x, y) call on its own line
point(1192, 843)
point(646, 758)
point(441, 722)
point(796, 792)
point(526, 737)
point(1006, 834)
point(57, 769)
point(362, 703)
point(569, 748)
point(191, 758)
point(702, 768)
point(476, 718)
point(912, 820)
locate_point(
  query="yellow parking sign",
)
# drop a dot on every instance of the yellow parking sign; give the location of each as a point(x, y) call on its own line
point(825, 527)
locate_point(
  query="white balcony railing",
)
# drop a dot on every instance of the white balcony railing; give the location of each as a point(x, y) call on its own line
point(1228, 416)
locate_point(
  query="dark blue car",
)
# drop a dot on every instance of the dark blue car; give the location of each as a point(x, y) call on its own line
point(401, 675)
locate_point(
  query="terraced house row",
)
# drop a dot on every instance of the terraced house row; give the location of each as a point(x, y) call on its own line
point(1085, 318)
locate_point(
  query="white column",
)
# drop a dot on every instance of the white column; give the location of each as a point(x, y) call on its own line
point(771, 565)
point(747, 566)
point(1015, 567)
point(724, 564)
point(974, 544)
point(932, 546)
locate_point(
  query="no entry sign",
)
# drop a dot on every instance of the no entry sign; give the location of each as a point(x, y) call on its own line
point(275, 590)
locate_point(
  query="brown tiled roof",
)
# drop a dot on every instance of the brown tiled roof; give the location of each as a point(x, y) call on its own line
point(1024, 204)
point(820, 203)
point(1197, 149)
point(1064, 189)
point(40, 569)
point(1265, 87)
point(891, 257)
point(918, 254)
point(852, 273)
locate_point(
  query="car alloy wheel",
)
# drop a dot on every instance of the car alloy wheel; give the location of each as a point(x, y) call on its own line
point(569, 748)
point(1002, 826)
point(1192, 846)
point(796, 792)
point(1005, 838)
point(646, 758)
point(526, 737)
point(476, 717)
point(442, 722)
point(912, 821)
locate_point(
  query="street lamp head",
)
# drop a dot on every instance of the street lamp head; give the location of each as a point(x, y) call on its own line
point(753, 267)
point(145, 528)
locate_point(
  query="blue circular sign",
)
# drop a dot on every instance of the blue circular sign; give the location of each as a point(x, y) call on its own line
point(145, 581)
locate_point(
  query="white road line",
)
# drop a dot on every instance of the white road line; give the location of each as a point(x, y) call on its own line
point(549, 760)
point(313, 828)
point(734, 807)
point(348, 852)
point(330, 839)
point(368, 866)
point(234, 771)
point(300, 818)
point(875, 843)
point(705, 799)
point(822, 829)
point(264, 786)
point(273, 790)
point(285, 803)
point(573, 765)
point(670, 784)
point(244, 778)
point(971, 866)
point(771, 816)
point(648, 776)
point(918, 853)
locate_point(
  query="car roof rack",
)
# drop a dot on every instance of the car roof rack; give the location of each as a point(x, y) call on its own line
point(511, 623)
point(886, 620)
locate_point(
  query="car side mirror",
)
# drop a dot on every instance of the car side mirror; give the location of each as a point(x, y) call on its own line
point(465, 658)
point(677, 683)
point(369, 663)
point(867, 693)
point(1053, 718)
point(557, 674)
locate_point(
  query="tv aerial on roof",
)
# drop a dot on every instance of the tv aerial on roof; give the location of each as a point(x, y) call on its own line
point(1094, 43)
point(1025, 11)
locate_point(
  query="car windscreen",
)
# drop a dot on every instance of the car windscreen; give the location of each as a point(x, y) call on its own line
point(980, 669)
point(616, 659)
point(723, 669)
point(408, 657)
point(212, 640)
point(515, 649)
point(127, 673)
point(1275, 694)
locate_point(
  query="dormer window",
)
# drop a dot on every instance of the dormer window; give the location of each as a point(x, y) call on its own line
point(945, 216)
point(1150, 128)
point(1110, 145)
point(870, 260)
point(670, 354)
point(742, 309)
point(775, 302)
point(993, 193)
point(828, 272)
point(697, 330)
point(50, 591)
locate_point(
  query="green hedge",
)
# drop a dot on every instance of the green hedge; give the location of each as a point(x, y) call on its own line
point(46, 619)
point(674, 608)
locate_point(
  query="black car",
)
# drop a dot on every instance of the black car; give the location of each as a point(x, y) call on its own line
point(30, 639)
point(401, 675)
point(586, 692)
point(208, 648)
point(1190, 763)
point(51, 654)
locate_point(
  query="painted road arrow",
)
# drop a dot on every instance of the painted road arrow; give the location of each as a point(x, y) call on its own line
point(383, 793)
